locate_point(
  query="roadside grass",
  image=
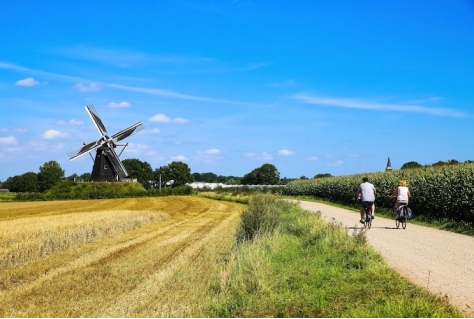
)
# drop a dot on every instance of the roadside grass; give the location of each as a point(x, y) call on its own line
point(448, 225)
point(307, 267)
point(227, 196)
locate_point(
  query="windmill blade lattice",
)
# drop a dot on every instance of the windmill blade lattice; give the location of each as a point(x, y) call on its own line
point(128, 131)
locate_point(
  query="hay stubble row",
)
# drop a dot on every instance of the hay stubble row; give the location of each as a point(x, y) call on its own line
point(156, 262)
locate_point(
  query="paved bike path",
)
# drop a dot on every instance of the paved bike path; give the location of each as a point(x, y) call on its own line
point(441, 261)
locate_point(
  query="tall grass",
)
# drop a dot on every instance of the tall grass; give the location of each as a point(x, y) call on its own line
point(306, 267)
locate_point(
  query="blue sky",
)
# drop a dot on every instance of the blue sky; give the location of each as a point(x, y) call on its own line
point(226, 86)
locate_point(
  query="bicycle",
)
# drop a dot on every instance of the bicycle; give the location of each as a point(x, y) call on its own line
point(368, 215)
point(402, 216)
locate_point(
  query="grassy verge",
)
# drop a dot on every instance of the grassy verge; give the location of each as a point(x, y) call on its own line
point(7, 196)
point(306, 267)
point(457, 227)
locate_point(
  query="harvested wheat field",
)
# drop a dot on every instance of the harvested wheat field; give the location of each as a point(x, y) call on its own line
point(137, 257)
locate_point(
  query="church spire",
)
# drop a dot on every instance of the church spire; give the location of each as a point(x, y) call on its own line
point(389, 165)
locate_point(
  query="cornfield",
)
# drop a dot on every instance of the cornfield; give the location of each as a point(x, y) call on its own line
point(440, 192)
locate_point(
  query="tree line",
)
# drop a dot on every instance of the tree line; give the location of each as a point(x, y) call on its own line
point(172, 175)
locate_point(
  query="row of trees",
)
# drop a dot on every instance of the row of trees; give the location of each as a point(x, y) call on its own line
point(49, 174)
point(172, 175)
point(413, 164)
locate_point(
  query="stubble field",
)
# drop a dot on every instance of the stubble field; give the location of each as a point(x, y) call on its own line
point(137, 257)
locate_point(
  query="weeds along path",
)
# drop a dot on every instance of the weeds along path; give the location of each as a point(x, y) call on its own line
point(441, 261)
point(155, 270)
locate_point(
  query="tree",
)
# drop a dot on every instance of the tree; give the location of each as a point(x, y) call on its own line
point(267, 174)
point(85, 177)
point(12, 184)
point(49, 174)
point(28, 182)
point(410, 165)
point(142, 171)
point(322, 175)
point(178, 172)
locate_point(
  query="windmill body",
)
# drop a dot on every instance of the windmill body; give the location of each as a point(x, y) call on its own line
point(107, 165)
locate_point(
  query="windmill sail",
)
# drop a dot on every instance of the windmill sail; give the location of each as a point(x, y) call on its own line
point(127, 132)
point(96, 119)
point(85, 149)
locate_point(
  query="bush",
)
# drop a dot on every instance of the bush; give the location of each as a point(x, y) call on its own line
point(263, 215)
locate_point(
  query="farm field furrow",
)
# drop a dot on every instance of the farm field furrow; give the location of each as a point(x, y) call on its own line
point(149, 270)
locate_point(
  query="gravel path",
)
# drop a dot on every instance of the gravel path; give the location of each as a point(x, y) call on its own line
point(441, 261)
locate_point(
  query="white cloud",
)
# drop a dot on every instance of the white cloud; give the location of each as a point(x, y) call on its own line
point(92, 87)
point(9, 140)
point(162, 118)
point(70, 122)
point(52, 134)
point(118, 105)
point(285, 152)
point(180, 120)
point(336, 163)
point(156, 131)
point(263, 155)
point(312, 158)
point(179, 158)
point(27, 82)
point(358, 104)
point(212, 151)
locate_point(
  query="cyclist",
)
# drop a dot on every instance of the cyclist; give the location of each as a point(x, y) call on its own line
point(366, 191)
point(402, 193)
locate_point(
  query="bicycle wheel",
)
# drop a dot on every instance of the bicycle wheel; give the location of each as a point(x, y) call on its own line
point(404, 218)
point(397, 222)
point(369, 221)
point(404, 221)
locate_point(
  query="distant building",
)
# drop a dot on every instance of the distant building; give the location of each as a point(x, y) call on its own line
point(389, 165)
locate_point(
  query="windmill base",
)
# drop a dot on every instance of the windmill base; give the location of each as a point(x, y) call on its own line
point(103, 170)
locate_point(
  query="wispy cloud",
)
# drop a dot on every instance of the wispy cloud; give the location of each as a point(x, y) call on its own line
point(336, 163)
point(52, 134)
point(264, 155)
point(312, 158)
point(285, 152)
point(358, 104)
point(27, 82)
point(124, 58)
point(91, 87)
point(179, 158)
point(123, 104)
point(9, 140)
point(96, 85)
point(70, 122)
point(212, 151)
point(162, 118)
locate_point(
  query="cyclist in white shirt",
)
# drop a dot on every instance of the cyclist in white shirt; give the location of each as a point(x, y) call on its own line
point(402, 193)
point(366, 193)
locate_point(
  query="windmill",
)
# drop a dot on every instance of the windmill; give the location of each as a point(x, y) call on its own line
point(107, 165)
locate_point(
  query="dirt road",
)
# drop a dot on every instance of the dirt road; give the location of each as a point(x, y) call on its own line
point(440, 261)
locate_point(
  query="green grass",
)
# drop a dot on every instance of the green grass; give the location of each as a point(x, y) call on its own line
point(7, 196)
point(306, 267)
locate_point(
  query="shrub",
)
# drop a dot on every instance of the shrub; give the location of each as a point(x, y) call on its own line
point(263, 215)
